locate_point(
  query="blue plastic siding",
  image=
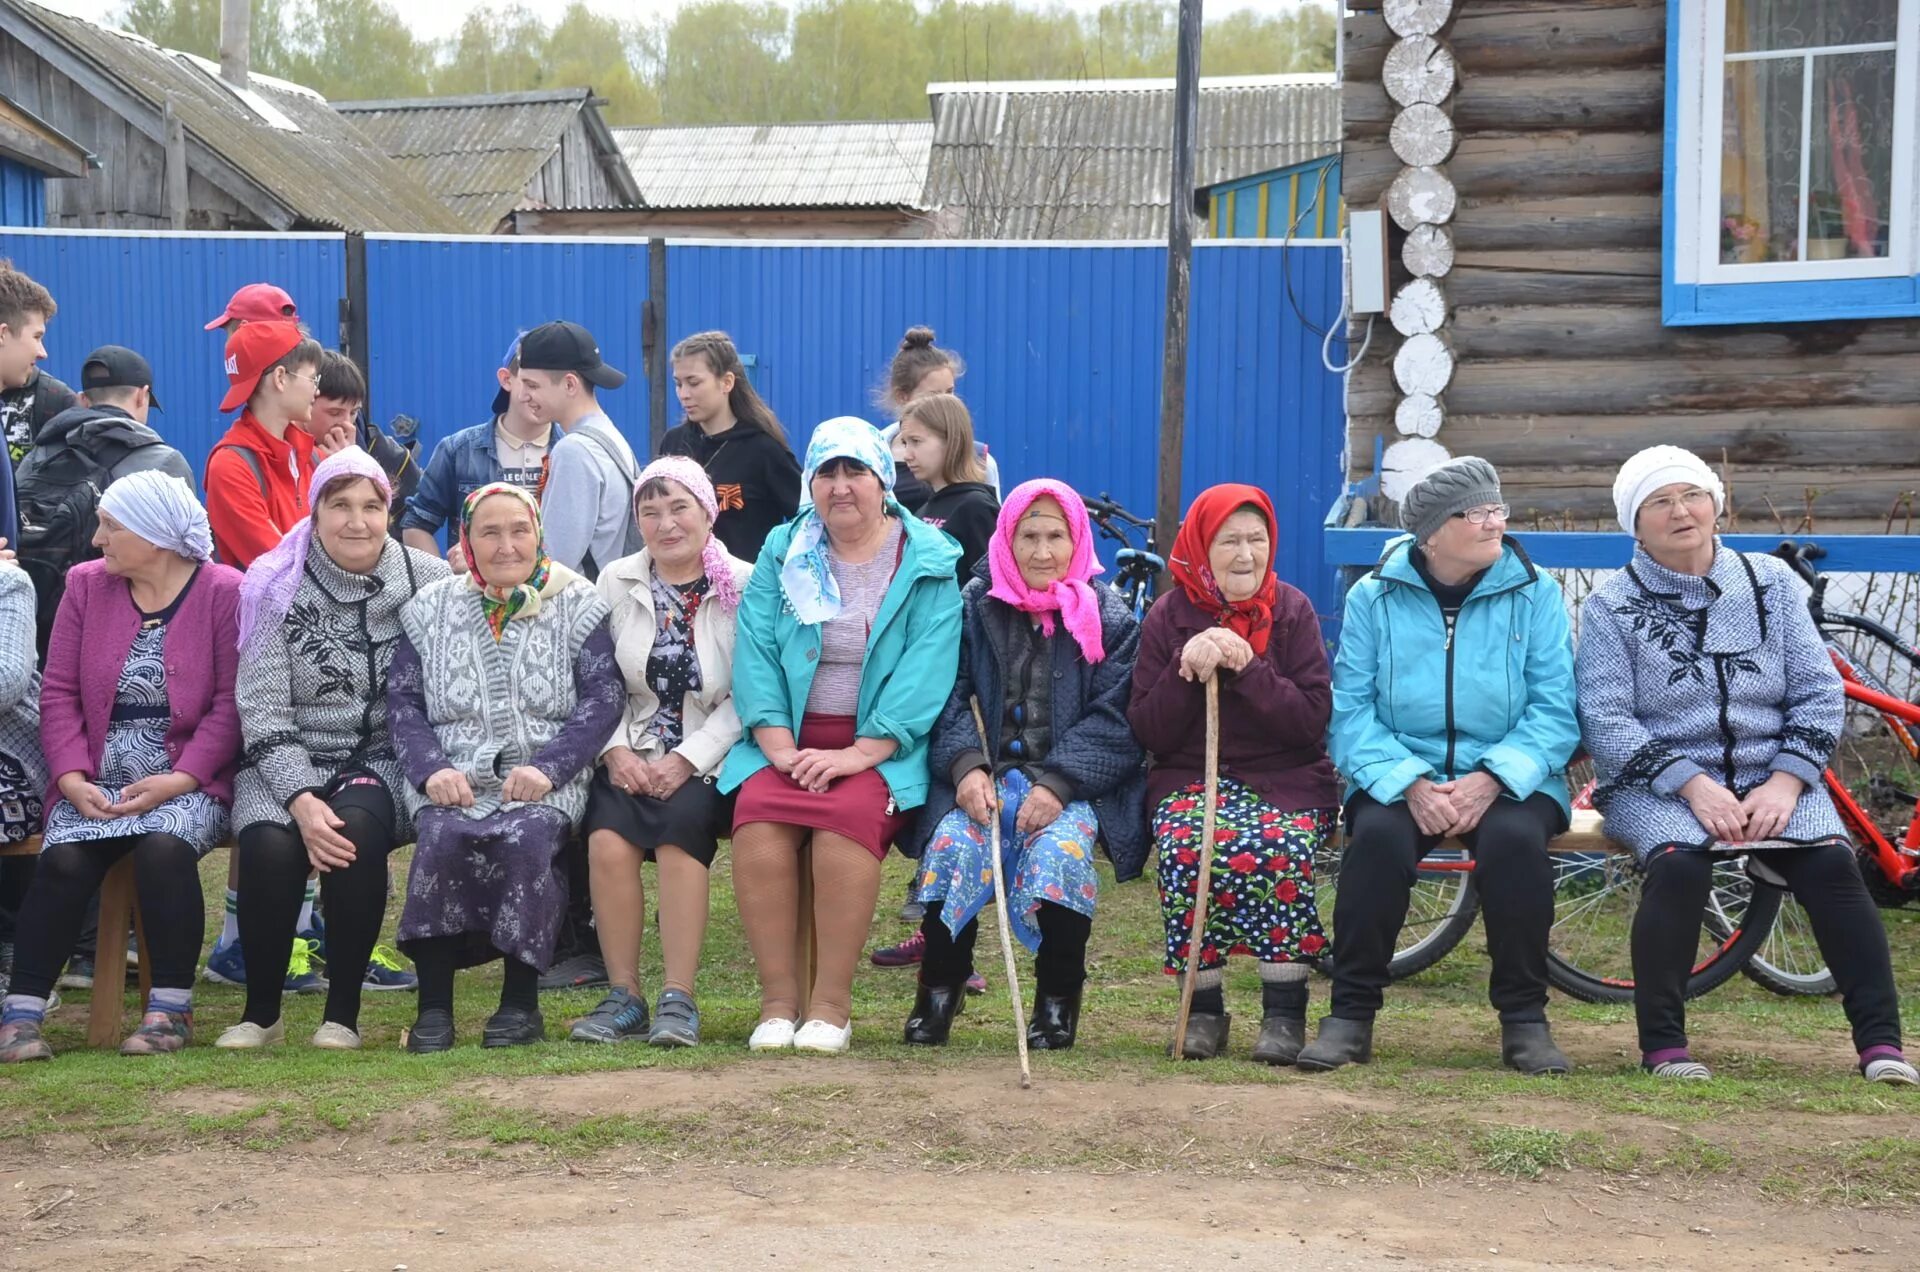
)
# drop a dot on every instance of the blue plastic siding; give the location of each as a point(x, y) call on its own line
point(442, 313)
point(23, 195)
point(1712, 304)
point(1063, 353)
point(154, 292)
point(1291, 197)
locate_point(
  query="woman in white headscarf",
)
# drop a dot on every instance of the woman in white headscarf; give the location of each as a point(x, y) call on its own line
point(141, 735)
point(849, 639)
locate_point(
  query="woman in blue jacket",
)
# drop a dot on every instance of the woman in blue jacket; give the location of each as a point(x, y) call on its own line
point(849, 640)
point(1453, 716)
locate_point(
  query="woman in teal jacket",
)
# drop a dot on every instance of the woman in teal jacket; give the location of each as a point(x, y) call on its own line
point(849, 640)
point(1453, 716)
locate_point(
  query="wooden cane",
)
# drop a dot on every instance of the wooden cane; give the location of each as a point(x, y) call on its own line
point(1203, 887)
point(1000, 909)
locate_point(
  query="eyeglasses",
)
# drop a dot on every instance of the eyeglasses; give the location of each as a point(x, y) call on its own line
point(313, 377)
point(1692, 500)
point(1480, 516)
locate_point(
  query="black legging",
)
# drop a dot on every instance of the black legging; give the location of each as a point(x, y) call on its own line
point(1510, 871)
point(1058, 969)
point(1846, 925)
point(273, 881)
point(166, 880)
point(437, 958)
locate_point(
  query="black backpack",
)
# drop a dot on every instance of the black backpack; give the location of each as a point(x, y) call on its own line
point(59, 505)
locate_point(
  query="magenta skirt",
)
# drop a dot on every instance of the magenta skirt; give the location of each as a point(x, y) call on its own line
point(858, 807)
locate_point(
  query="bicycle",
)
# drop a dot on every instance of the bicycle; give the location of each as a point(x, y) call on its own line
point(1874, 775)
point(1138, 563)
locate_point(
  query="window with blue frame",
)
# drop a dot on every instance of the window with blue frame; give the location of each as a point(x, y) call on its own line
point(1792, 142)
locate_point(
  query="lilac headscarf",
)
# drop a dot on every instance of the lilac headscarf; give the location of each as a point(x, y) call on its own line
point(267, 592)
point(713, 558)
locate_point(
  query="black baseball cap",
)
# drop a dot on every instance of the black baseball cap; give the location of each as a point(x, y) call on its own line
point(113, 366)
point(567, 346)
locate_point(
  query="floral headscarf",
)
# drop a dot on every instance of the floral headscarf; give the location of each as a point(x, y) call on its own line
point(502, 606)
point(805, 575)
point(1070, 596)
point(267, 592)
point(687, 472)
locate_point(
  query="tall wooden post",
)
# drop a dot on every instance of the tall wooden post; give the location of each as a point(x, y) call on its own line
point(653, 338)
point(1173, 363)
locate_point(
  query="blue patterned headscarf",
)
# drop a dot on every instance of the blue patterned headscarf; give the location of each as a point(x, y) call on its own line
point(805, 575)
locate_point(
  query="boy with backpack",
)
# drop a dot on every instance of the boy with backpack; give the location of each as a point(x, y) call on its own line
point(258, 474)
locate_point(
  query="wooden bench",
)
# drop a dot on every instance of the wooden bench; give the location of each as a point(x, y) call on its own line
point(1584, 834)
point(106, 1014)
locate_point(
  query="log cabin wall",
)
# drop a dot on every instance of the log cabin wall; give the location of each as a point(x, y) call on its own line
point(1562, 367)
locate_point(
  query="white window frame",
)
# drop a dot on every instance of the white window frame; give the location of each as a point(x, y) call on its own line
point(1697, 154)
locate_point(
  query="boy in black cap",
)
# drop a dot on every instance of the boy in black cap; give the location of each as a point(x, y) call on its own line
point(109, 423)
point(587, 508)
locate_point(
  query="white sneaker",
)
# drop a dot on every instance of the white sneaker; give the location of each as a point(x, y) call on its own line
point(823, 1038)
point(247, 1036)
point(772, 1035)
point(1892, 1072)
point(333, 1036)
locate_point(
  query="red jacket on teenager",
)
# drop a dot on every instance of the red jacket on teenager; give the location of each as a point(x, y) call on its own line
point(249, 511)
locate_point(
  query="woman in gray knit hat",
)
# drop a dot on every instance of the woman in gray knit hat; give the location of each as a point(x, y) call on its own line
point(1453, 717)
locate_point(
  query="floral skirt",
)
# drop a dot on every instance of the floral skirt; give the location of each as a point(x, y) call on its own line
point(497, 881)
point(1054, 864)
point(1262, 904)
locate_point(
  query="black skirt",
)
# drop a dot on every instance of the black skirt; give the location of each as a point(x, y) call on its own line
point(692, 819)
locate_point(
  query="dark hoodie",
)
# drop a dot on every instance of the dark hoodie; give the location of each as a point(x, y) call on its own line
point(109, 435)
point(968, 512)
point(755, 477)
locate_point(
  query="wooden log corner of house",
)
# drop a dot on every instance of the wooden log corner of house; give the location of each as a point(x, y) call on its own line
point(1519, 149)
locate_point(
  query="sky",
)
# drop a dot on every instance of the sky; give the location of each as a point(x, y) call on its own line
point(442, 18)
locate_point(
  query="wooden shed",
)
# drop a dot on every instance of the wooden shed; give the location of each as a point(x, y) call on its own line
point(31, 151)
point(1615, 223)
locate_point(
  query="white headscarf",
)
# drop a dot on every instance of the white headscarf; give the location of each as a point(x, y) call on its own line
point(1659, 466)
point(161, 509)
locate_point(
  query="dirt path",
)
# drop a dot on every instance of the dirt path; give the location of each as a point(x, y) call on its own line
point(840, 1164)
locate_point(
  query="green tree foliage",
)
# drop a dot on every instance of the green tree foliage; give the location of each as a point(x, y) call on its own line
point(739, 61)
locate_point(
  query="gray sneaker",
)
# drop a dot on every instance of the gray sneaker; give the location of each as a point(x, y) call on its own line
point(620, 1017)
point(676, 1022)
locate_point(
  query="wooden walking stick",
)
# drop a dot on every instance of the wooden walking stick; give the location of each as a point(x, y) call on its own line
point(1000, 908)
point(1203, 887)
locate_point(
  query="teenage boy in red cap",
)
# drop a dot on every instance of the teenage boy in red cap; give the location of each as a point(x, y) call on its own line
point(256, 302)
point(257, 475)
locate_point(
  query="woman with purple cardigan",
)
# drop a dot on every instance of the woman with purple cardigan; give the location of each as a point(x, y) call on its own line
point(1278, 797)
point(142, 737)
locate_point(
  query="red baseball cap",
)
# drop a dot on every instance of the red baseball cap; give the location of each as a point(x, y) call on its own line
point(250, 351)
point(257, 302)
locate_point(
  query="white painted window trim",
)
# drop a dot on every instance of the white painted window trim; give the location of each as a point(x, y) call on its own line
point(1697, 159)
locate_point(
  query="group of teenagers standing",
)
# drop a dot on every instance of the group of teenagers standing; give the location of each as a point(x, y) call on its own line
point(732, 644)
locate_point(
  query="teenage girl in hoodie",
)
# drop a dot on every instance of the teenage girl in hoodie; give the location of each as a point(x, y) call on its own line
point(936, 443)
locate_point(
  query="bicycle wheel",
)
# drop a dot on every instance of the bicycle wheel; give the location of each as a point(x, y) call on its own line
point(1787, 962)
point(1589, 953)
point(1440, 912)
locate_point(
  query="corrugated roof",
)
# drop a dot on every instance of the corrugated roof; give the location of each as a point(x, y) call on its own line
point(476, 153)
point(828, 165)
point(322, 170)
point(1092, 159)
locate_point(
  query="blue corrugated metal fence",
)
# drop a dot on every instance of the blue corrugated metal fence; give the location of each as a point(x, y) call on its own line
point(1062, 343)
point(23, 195)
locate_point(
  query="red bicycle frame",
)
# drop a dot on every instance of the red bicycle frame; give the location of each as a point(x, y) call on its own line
point(1900, 865)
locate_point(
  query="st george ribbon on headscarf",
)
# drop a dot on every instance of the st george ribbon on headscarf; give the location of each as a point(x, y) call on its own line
point(161, 509)
point(686, 472)
point(805, 575)
point(267, 592)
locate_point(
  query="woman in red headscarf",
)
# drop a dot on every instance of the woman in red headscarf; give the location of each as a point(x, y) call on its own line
point(1278, 796)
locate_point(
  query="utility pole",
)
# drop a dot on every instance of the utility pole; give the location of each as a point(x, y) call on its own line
point(1173, 365)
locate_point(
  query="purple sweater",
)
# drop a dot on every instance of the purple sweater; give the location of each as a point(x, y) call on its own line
point(93, 632)
point(1273, 715)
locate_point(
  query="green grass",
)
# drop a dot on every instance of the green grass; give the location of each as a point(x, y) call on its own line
point(1796, 1120)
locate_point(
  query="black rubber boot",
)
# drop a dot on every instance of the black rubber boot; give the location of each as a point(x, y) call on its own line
point(1281, 1038)
point(433, 1031)
point(1338, 1042)
point(1528, 1047)
point(1056, 1019)
point(1206, 1035)
point(934, 1007)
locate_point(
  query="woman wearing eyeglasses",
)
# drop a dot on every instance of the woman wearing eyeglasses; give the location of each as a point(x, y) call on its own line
point(1710, 708)
point(1453, 716)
